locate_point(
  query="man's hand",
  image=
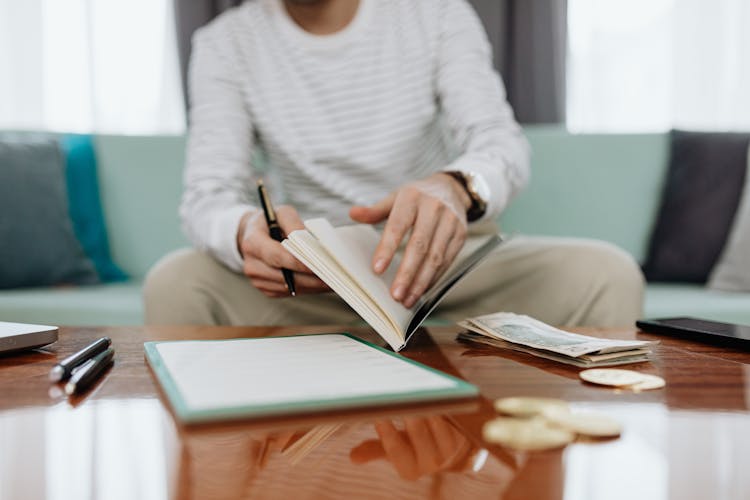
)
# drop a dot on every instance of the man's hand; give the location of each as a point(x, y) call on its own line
point(264, 257)
point(425, 446)
point(434, 210)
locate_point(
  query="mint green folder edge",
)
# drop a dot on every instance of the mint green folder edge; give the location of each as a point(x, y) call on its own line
point(460, 390)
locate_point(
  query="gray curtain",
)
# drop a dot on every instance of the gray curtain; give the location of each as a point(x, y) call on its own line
point(189, 16)
point(529, 38)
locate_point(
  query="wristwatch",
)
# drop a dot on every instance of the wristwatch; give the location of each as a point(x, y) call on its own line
point(477, 189)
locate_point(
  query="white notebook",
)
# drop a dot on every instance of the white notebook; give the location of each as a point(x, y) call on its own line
point(216, 380)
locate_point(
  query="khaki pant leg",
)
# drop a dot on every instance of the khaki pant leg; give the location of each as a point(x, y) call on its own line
point(561, 281)
point(188, 287)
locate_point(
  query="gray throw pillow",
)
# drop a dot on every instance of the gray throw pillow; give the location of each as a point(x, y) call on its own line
point(700, 199)
point(38, 246)
point(732, 273)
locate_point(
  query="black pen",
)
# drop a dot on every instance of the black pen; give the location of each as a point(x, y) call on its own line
point(64, 368)
point(275, 230)
point(87, 374)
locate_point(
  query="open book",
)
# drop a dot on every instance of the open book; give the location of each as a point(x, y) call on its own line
point(341, 257)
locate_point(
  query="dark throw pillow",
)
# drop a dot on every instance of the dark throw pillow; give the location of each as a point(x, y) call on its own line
point(701, 195)
point(38, 245)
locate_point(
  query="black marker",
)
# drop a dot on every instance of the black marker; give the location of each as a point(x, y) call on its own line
point(64, 368)
point(87, 374)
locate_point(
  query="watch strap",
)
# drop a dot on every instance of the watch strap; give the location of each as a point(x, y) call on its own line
point(478, 206)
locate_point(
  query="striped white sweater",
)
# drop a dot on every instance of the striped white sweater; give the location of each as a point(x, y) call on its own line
point(405, 90)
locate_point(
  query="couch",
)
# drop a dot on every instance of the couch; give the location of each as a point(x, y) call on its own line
point(595, 186)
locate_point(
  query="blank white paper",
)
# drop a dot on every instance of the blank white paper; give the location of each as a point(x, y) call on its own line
point(287, 370)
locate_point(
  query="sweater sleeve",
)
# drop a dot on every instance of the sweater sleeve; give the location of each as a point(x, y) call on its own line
point(218, 174)
point(473, 101)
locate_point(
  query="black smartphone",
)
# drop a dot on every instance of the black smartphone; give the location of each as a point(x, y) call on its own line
point(699, 329)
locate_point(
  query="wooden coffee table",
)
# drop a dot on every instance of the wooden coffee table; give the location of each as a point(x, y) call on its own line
point(119, 440)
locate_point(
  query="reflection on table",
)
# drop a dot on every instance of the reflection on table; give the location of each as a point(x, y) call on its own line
point(690, 440)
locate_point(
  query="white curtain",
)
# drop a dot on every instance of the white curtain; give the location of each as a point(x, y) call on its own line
point(105, 66)
point(651, 65)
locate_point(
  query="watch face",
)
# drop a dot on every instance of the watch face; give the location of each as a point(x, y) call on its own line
point(479, 186)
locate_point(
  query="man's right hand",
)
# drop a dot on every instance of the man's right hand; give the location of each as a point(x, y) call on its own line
point(264, 257)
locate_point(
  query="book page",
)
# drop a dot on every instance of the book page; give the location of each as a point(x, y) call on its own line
point(215, 375)
point(305, 247)
point(353, 248)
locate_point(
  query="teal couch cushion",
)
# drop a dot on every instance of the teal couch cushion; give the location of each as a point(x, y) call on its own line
point(595, 186)
point(141, 185)
point(85, 206)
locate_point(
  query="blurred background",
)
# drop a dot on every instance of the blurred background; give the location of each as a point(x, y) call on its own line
point(594, 65)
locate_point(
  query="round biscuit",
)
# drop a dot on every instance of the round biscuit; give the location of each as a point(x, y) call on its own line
point(527, 406)
point(615, 377)
point(525, 434)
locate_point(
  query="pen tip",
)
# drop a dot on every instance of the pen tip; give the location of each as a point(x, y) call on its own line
point(294, 294)
point(259, 182)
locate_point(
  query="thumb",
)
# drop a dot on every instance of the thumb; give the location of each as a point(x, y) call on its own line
point(374, 213)
point(289, 219)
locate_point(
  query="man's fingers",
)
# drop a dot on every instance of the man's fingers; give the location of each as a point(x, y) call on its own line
point(401, 220)
point(398, 450)
point(275, 255)
point(417, 249)
point(374, 213)
point(257, 243)
point(426, 450)
point(270, 287)
point(279, 289)
point(446, 437)
point(256, 269)
point(455, 246)
point(308, 282)
point(302, 282)
point(434, 262)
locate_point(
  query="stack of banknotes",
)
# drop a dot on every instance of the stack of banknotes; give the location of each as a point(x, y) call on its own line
point(525, 334)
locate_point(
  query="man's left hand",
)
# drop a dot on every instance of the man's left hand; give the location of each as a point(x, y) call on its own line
point(434, 210)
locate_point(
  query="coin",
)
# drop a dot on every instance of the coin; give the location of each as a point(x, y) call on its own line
point(648, 383)
point(525, 434)
point(586, 424)
point(526, 406)
point(611, 376)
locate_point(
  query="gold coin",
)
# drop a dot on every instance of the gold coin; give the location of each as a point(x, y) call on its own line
point(586, 424)
point(525, 434)
point(527, 406)
point(648, 383)
point(611, 376)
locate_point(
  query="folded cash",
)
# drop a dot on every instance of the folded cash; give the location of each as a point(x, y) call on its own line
point(526, 334)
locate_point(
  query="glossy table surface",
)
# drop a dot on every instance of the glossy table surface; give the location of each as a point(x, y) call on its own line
point(120, 440)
